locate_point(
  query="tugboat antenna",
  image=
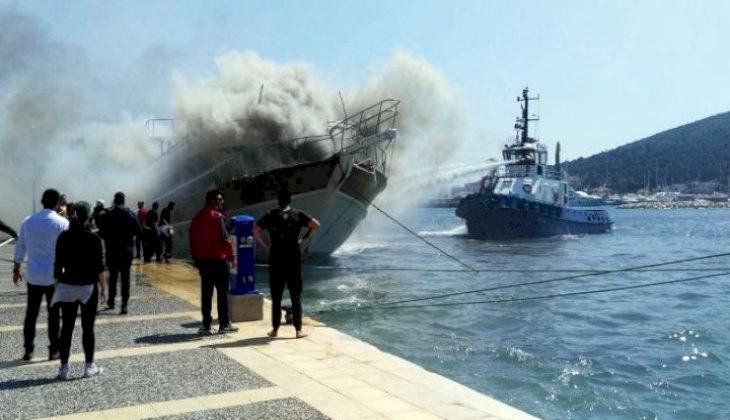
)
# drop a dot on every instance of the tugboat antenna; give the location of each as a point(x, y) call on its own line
point(525, 115)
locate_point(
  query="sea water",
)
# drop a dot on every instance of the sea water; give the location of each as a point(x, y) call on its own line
point(654, 352)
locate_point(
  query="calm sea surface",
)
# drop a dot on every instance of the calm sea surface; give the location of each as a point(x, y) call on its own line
point(656, 352)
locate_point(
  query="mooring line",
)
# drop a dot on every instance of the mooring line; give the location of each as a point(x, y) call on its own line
point(556, 295)
point(531, 283)
point(429, 243)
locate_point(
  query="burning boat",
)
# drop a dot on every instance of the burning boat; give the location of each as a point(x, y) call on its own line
point(333, 176)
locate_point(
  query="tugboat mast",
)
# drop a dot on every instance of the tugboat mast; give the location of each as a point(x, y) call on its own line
point(522, 123)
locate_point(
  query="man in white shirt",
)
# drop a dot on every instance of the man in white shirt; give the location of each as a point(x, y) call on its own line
point(37, 240)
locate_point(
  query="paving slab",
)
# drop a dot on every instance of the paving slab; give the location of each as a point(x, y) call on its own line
point(126, 333)
point(14, 314)
point(287, 408)
point(33, 391)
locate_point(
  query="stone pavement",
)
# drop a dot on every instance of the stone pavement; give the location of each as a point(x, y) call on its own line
point(156, 365)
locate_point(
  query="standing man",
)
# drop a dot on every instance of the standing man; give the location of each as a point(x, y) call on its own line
point(285, 256)
point(37, 240)
point(166, 230)
point(141, 213)
point(151, 234)
point(119, 227)
point(212, 253)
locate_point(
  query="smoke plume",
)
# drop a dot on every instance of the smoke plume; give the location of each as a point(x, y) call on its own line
point(67, 126)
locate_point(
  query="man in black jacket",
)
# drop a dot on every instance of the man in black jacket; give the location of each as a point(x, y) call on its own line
point(119, 227)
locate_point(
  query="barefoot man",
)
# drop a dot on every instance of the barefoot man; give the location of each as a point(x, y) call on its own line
point(285, 256)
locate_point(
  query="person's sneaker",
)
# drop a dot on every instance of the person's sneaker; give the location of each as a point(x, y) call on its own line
point(54, 356)
point(205, 330)
point(228, 328)
point(92, 369)
point(27, 357)
point(62, 373)
point(123, 311)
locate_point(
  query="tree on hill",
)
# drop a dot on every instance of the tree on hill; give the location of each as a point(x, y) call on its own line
point(698, 152)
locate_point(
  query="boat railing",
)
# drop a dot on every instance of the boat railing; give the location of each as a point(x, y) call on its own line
point(375, 119)
point(355, 130)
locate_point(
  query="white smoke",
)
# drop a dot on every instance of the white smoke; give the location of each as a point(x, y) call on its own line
point(52, 134)
point(294, 104)
point(431, 121)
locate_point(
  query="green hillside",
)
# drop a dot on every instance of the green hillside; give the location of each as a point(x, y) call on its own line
point(682, 158)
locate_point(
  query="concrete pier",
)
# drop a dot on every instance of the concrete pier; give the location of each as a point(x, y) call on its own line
point(156, 365)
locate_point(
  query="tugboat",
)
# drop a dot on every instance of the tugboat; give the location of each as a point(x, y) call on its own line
point(525, 197)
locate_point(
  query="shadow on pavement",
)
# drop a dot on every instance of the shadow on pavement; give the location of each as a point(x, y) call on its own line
point(255, 341)
point(27, 383)
point(169, 338)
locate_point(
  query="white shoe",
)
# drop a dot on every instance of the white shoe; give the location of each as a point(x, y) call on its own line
point(92, 370)
point(62, 373)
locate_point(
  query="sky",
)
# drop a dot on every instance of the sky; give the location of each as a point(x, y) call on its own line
point(86, 75)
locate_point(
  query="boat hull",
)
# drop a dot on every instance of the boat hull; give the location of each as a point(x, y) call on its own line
point(334, 191)
point(494, 217)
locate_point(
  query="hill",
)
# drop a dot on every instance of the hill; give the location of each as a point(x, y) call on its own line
point(682, 158)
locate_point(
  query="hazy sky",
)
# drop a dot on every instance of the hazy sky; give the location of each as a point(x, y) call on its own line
point(607, 72)
point(79, 78)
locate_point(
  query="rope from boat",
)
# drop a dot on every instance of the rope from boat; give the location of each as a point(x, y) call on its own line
point(429, 243)
point(532, 283)
point(493, 270)
point(551, 296)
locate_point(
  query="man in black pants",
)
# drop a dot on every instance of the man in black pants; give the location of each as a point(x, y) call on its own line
point(285, 256)
point(37, 240)
point(212, 253)
point(151, 234)
point(166, 231)
point(119, 227)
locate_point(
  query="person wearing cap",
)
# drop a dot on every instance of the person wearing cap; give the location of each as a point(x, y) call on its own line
point(285, 256)
point(37, 240)
point(119, 227)
point(79, 269)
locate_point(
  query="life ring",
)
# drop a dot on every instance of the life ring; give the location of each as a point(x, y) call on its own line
point(527, 188)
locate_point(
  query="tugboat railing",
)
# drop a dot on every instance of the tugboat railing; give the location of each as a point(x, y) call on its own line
point(518, 171)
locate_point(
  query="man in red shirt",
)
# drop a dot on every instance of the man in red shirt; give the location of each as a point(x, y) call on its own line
point(212, 253)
